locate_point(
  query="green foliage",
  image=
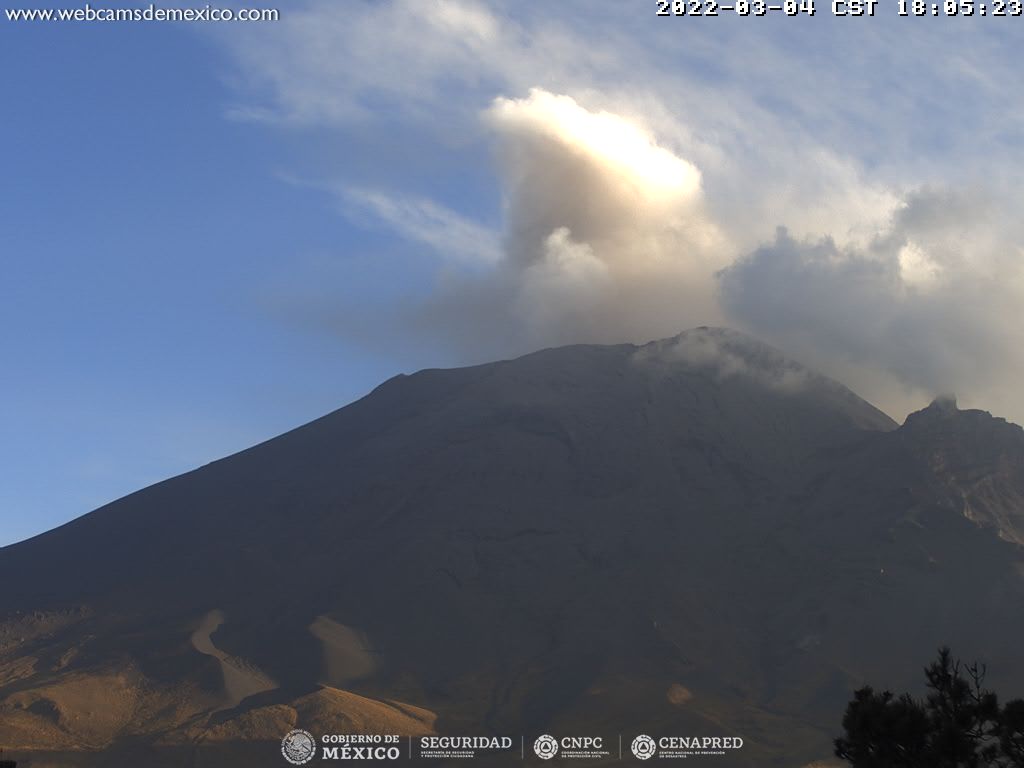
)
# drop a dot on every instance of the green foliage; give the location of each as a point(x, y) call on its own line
point(959, 724)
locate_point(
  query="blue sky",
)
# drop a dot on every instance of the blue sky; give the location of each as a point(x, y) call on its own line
point(144, 239)
point(211, 233)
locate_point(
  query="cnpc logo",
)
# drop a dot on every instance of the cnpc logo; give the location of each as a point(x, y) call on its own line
point(547, 746)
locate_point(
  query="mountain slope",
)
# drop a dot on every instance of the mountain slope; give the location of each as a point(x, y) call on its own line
point(692, 536)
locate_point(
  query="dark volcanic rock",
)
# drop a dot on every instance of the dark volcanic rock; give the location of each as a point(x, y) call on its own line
point(696, 536)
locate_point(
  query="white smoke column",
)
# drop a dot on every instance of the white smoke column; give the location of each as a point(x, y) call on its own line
point(607, 238)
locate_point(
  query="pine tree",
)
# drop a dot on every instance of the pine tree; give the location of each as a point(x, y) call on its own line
point(959, 724)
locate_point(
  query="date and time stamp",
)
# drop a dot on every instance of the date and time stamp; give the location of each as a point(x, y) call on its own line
point(839, 7)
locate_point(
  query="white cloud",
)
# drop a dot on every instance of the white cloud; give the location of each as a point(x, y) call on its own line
point(637, 156)
point(647, 170)
point(603, 177)
point(564, 287)
point(447, 233)
point(338, 62)
point(931, 305)
point(917, 269)
point(606, 233)
point(726, 354)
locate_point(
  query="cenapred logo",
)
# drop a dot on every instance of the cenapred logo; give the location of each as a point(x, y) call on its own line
point(298, 747)
point(546, 747)
point(643, 747)
point(681, 747)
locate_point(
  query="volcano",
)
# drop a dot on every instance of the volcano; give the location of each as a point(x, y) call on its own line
point(693, 537)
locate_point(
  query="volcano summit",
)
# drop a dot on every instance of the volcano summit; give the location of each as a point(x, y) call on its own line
point(694, 537)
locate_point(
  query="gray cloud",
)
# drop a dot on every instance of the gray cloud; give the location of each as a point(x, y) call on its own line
point(606, 236)
point(725, 354)
point(898, 293)
point(929, 305)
